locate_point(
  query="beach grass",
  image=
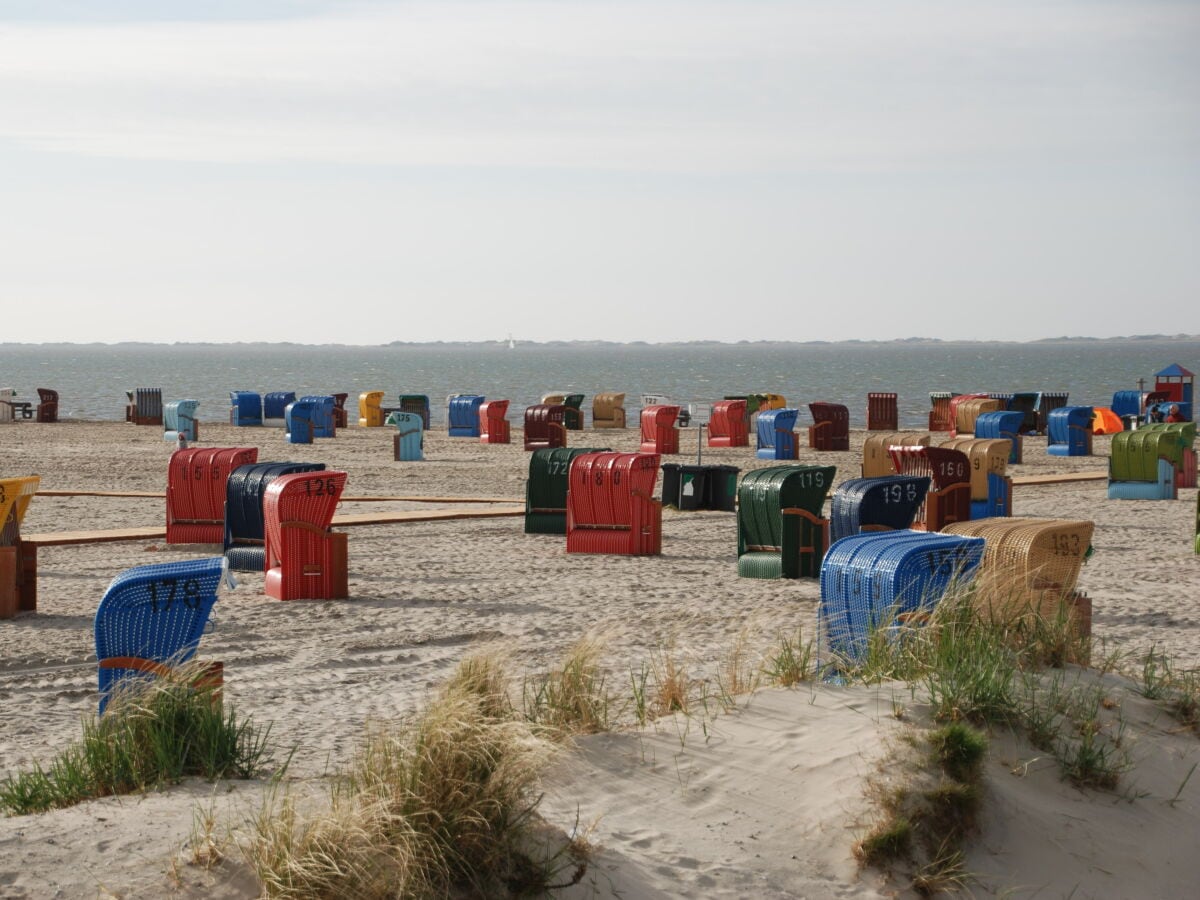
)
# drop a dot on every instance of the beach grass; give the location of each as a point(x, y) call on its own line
point(153, 733)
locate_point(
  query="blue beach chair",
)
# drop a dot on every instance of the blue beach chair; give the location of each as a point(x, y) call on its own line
point(776, 429)
point(245, 531)
point(245, 408)
point(152, 617)
point(179, 417)
point(408, 443)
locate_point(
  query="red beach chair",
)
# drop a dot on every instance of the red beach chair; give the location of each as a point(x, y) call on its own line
point(727, 426)
point(949, 496)
point(610, 504)
point(493, 426)
point(659, 434)
point(304, 559)
point(196, 492)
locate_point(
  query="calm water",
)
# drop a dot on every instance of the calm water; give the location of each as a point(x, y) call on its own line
point(92, 379)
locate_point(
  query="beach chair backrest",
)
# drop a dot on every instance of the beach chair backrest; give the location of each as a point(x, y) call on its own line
point(416, 403)
point(47, 408)
point(15, 497)
point(608, 410)
point(610, 504)
point(153, 616)
point(275, 404)
point(546, 488)
point(370, 409)
point(727, 424)
point(463, 411)
point(831, 426)
point(775, 430)
point(245, 408)
point(882, 411)
point(659, 433)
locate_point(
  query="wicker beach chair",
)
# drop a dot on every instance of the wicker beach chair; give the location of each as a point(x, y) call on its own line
point(608, 410)
point(611, 506)
point(781, 533)
point(17, 592)
point(304, 559)
point(659, 434)
point(152, 617)
point(493, 425)
point(245, 531)
point(877, 462)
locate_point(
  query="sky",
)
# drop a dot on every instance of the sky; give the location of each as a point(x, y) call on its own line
point(366, 172)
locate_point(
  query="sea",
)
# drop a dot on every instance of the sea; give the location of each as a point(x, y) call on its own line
point(92, 378)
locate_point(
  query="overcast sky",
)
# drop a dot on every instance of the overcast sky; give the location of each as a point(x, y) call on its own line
point(366, 172)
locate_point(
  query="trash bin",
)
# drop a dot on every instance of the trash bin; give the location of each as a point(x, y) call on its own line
point(722, 487)
point(684, 486)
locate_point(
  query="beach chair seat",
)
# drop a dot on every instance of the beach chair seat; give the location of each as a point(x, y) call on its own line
point(245, 531)
point(776, 435)
point(47, 408)
point(408, 443)
point(463, 412)
point(880, 580)
point(949, 496)
point(1069, 431)
point(546, 488)
point(877, 462)
point(610, 504)
point(197, 491)
point(370, 409)
point(275, 404)
point(151, 618)
point(145, 406)
point(245, 408)
point(608, 410)
point(179, 418)
point(304, 559)
point(544, 428)
point(727, 424)
point(882, 412)
point(494, 428)
point(887, 503)
point(831, 426)
point(940, 418)
point(18, 591)
point(659, 432)
point(1030, 564)
point(781, 533)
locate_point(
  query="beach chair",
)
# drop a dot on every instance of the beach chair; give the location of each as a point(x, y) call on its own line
point(1025, 403)
point(573, 420)
point(1127, 405)
point(949, 496)
point(151, 619)
point(298, 421)
point(780, 530)
point(197, 491)
point(544, 428)
point(18, 588)
point(879, 581)
point(887, 503)
point(321, 415)
point(1142, 464)
point(408, 443)
point(414, 403)
point(1048, 401)
point(608, 410)
point(304, 559)
point(1069, 431)
point(493, 425)
point(831, 426)
point(882, 412)
point(1030, 565)
point(464, 415)
point(7, 396)
point(546, 488)
point(370, 409)
point(752, 402)
point(610, 504)
point(179, 418)
point(984, 456)
point(245, 532)
point(145, 406)
point(771, 401)
point(275, 404)
point(877, 462)
point(940, 418)
point(958, 400)
point(245, 408)
point(727, 425)
point(1003, 425)
point(968, 410)
point(340, 418)
point(47, 408)
point(776, 435)
point(659, 434)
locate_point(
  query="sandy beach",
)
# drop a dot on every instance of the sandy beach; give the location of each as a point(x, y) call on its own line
point(762, 801)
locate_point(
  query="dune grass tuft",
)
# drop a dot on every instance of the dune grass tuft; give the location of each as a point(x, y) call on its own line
point(153, 733)
point(572, 698)
point(443, 805)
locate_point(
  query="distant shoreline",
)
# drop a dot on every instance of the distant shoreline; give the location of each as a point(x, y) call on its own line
point(503, 344)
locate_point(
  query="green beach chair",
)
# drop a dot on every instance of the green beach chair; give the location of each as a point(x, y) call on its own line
point(780, 530)
point(546, 489)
